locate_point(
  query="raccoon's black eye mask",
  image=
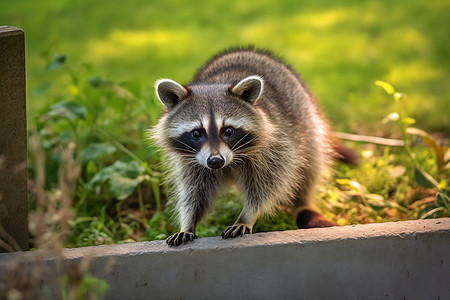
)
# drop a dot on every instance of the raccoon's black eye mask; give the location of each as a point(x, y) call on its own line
point(190, 142)
point(237, 139)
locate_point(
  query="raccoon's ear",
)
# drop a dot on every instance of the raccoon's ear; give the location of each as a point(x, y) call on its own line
point(169, 92)
point(249, 88)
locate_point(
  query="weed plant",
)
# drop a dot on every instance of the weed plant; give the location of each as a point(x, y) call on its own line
point(43, 274)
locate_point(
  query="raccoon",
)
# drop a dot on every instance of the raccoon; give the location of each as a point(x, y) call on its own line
point(246, 117)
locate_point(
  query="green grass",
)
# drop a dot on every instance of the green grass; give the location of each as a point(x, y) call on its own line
point(91, 67)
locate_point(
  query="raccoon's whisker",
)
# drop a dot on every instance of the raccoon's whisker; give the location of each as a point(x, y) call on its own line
point(238, 147)
point(190, 147)
point(241, 147)
point(238, 159)
point(185, 150)
point(190, 154)
point(188, 158)
point(248, 149)
point(193, 151)
point(242, 154)
point(241, 158)
point(237, 143)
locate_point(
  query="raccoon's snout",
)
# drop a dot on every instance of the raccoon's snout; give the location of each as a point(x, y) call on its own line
point(215, 161)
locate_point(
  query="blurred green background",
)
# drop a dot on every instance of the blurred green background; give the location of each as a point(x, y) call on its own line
point(339, 47)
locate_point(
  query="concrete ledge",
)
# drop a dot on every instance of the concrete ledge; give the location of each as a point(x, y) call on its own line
point(408, 260)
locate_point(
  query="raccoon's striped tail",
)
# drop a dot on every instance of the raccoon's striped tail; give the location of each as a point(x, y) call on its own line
point(308, 218)
point(343, 153)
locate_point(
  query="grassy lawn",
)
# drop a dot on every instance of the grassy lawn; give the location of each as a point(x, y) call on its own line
point(91, 67)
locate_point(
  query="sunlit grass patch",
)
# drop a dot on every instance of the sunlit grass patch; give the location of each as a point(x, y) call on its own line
point(129, 45)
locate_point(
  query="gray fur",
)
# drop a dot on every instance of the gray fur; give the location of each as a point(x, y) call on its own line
point(280, 147)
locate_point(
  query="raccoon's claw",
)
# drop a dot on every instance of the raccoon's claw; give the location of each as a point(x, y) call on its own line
point(235, 230)
point(180, 238)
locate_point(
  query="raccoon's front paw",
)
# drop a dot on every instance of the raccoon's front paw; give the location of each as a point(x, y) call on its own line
point(235, 230)
point(180, 238)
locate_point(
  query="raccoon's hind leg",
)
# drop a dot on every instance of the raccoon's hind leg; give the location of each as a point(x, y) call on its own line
point(310, 218)
point(305, 213)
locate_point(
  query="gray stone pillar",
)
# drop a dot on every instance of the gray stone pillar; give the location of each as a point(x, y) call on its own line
point(13, 141)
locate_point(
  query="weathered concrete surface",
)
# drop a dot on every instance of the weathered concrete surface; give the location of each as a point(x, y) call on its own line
point(402, 260)
point(13, 141)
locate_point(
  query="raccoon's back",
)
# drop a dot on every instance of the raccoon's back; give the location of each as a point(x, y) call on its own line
point(235, 64)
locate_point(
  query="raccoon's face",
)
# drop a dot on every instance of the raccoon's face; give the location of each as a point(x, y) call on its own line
point(214, 124)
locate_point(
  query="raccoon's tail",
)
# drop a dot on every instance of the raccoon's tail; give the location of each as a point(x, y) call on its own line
point(308, 218)
point(343, 153)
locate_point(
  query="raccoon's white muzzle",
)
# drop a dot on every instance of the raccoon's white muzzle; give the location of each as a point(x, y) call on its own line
point(214, 159)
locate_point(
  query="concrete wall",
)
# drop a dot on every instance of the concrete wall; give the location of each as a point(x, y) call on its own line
point(13, 141)
point(402, 260)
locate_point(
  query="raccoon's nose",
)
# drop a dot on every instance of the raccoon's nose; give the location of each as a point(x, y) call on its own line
point(215, 161)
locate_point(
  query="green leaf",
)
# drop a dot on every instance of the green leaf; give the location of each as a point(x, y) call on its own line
point(97, 150)
point(390, 118)
point(66, 136)
point(386, 86)
point(425, 179)
point(353, 185)
point(57, 62)
point(98, 82)
point(397, 171)
point(408, 121)
point(132, 169)
point(70, 110)
point(41, 89)
point(376, 201)
point(442, 199)
point(447, 159)
point(123, 178)
point(118, 168)
point(91, 170)
point(432, 143)
point(101, 83)
point(122, 187)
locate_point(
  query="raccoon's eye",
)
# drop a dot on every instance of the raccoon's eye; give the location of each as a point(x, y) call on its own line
point(196, 134)
point(229, 131)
